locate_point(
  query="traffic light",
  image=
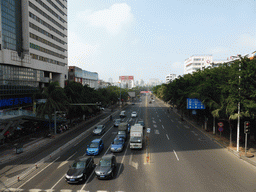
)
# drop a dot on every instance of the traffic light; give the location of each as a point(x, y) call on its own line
point(247, 127)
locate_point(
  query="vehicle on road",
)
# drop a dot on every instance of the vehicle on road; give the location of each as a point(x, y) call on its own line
point(117, 122)
point(106, 167)
point(134, 114)
point(141, 122)
point(80, 170)
point(99, 130)
point(150, 102)
point(122, 134)
point(124, 127)
point(95, 147)
point(133, 103)
point(122, 114)
point(136, 137)
point(117, 145)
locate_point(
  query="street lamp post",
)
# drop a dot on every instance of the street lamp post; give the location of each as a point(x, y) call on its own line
point(120, 97)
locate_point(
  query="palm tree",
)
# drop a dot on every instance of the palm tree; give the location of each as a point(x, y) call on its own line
point(56, 100)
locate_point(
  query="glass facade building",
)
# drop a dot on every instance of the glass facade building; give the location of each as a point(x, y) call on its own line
point(9, 24)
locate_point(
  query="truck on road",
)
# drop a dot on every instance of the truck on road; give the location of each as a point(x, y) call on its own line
point(136, 137)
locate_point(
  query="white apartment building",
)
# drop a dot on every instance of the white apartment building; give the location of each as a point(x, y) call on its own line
point(169, 78)
point(196, 62)
point(33, 42)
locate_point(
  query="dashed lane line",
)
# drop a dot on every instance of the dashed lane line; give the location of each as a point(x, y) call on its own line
point(176, 155)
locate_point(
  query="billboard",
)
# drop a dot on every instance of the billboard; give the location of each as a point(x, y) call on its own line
point(131, 94)
point(125, 78)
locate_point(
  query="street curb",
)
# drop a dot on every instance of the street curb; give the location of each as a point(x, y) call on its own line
point(216, 141)
point(54, 154)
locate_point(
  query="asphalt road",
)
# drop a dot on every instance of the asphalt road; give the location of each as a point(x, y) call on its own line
point(175, 157)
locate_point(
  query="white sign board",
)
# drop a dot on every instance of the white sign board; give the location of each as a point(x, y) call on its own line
point(148, 130)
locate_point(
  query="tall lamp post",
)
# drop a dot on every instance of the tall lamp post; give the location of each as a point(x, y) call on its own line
point(120, 97)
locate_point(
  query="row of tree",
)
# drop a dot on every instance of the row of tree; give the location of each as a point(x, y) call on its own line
point(221, 89)
point(61, 99)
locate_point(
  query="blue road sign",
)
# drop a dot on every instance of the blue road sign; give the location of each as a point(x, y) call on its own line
point(194, 104)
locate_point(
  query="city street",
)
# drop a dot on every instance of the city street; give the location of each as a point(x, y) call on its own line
point(175, 157)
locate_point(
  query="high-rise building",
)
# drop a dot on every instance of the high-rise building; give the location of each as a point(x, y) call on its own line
point(141, 82)
point(196, 62)
point(82, 76)
point(170, 78)
point(33, 44)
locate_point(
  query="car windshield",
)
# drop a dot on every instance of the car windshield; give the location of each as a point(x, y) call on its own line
point(141, 122)
point(117, 142)
point(118, 121)
point(135, 139)
point(99, 127)
point(94, 145)
point(121, 132)
point(105, 163)
point(78, 165)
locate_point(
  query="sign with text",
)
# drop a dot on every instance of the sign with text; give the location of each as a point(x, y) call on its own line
point(194, 104)
point(15, 101)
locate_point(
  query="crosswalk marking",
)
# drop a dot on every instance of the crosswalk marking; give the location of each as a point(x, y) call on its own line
point(48, 190)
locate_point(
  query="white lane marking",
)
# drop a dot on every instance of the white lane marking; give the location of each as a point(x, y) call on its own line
point(133, 163)
point(172, 120)
point(187, 127)
point(179, 122)
point(176, 155)
point(123, 159)
point(58, 181)
point(194, 133)
point(65, 162)
point(156, 131)
point(12, 189)
point(163, 126)
point(153, 121)
point(38, 173)
point(155, 125)
point(167, 137)
point(160, 120)
point(157, 115)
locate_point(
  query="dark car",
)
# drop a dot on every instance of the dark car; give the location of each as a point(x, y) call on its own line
point(122, 134)
point(80, 170)
point(99, 130)
point(106, 167)
point(95, 147)
point(117, 122)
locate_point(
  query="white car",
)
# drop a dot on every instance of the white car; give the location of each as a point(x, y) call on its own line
point(134, 114)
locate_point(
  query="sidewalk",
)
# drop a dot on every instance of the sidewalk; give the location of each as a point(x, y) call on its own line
point(250, 157)
point(8, 151)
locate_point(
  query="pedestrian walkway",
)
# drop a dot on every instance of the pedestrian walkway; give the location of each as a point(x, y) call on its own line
point(250, 156)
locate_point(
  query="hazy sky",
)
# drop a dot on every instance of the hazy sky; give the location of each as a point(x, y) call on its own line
point(152, 38)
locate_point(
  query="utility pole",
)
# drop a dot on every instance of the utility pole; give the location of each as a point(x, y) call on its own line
point(238, 120)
